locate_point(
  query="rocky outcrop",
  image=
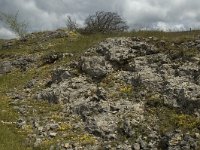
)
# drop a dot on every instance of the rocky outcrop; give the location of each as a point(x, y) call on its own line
point(22, 63)
point(114, 86)
point(178, 140)
point(95, 66)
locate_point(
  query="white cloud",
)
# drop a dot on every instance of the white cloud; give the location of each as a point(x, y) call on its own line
point(166, 26)
point(51, 14)
point(6, 34)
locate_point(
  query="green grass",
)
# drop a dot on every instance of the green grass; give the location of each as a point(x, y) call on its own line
point(14, 80)
point(6, 112)
point(10, 139)
point(171, 119)
point(82, 42)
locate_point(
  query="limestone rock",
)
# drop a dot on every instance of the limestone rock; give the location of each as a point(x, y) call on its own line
point(5, 67)
point(95, 66)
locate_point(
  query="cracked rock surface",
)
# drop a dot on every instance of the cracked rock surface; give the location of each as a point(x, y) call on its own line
point(111, 94)
point(126, 93)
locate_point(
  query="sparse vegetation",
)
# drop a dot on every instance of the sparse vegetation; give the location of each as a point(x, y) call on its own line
point(71, 24)
point(20, 28)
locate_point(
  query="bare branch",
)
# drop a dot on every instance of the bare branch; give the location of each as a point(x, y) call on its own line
point(18, 27)
point(71, 24)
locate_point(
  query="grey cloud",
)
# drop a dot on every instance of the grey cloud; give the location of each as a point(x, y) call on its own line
point(51, 14)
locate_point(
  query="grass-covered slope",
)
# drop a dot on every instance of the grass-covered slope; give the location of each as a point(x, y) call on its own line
point(38, 64)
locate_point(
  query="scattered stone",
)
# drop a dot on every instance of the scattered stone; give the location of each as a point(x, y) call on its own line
point(52, 126)
point(24, 63)
point(66, 145)
point(50, 96)
point(37, 143)
point(31, 83)
point(9, 44)
point(197, 135)
point(52, 134)
point(68, 55)
point(136, 146)
point(5, 67)
point(51, 58)
point(60, 74)
point(178, 140)
point(21, 123)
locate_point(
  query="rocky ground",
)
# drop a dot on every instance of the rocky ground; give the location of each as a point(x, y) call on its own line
point(123, 93)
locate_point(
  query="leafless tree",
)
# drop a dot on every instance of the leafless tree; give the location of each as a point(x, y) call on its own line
point(20, 28)
point(71, 24)
point(105, 22)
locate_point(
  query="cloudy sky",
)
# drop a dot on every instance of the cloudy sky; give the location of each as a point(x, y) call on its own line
point(51, 14)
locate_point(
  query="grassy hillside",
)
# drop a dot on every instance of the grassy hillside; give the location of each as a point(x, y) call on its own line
point(12, 138)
